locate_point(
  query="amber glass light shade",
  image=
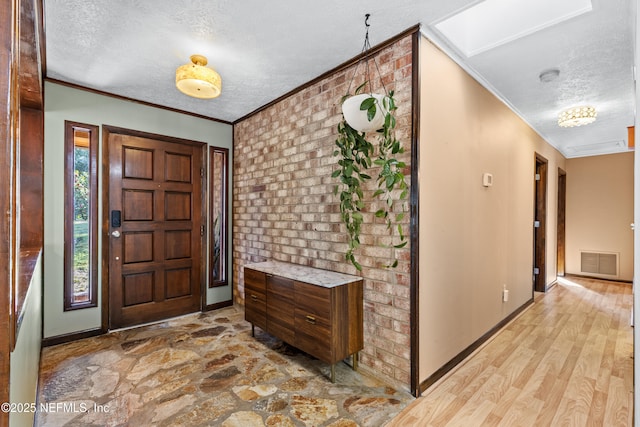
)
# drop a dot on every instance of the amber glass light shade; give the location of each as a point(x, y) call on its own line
point(198, 80)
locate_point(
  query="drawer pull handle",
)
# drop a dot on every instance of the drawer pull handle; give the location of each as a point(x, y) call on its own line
point(311, 319)
point(253, 297)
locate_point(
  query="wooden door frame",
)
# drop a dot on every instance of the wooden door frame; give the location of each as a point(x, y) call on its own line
point(540, 233)
point(107, 130)
point(561, 223)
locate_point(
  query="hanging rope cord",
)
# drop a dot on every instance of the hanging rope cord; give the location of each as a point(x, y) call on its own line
point(365, 51)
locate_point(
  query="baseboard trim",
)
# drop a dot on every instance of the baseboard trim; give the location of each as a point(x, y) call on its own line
point(467, 351)
point(604, 279)
point(74, 336)
point(62, 339)
point(218, 305)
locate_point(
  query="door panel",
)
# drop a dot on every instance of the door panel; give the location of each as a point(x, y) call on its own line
point(178, 283)
point(139, 205)
point(177, 244)
point(138, 289)
point(178, 167)
point(137, 163)
point(177, 206)
point(155, 265)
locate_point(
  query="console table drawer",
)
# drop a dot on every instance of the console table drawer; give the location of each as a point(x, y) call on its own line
point(310, 344)
point(255, 280)
point(313, 300)
point(255, 308)
point(313, 326)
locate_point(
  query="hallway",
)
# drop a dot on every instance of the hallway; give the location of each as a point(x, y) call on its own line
point(567, 360)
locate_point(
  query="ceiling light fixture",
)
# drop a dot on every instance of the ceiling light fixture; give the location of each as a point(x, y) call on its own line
point(197, 80)
point(577, 116)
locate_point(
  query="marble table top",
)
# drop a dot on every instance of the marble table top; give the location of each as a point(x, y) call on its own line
point(302, 273)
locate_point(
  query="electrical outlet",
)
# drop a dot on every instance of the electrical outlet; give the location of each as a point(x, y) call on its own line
point(505, 293)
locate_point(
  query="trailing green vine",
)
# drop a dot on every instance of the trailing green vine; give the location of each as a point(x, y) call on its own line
point(355, 158)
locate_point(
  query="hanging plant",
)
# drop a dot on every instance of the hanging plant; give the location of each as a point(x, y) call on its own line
point(364, 113)
point(356, 156)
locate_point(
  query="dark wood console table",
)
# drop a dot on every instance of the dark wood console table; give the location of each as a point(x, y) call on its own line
point(317, 311)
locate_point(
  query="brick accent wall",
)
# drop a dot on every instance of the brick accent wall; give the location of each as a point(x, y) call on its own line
point(284, 207)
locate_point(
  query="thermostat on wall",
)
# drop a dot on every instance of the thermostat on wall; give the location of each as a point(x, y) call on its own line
point(487, 179)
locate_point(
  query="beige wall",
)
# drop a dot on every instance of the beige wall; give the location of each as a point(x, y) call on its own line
point(600, 210)
point(473, 239)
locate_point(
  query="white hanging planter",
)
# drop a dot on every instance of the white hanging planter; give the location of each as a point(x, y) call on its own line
point(357, 118)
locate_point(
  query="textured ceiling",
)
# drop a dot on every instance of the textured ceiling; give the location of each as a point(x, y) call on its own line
point(263, 50)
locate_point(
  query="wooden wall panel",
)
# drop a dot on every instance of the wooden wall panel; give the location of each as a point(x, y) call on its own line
point(31, 177)
point(30, 69)
point(6, 162)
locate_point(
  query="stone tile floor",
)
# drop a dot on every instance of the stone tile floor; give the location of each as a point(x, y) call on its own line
point(204, 369)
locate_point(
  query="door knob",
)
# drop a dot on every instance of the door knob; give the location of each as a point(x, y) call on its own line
point(115, 233)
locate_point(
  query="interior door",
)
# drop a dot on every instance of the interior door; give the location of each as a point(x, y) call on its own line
point(154, 216)
point(562, 208)
point(540, 226)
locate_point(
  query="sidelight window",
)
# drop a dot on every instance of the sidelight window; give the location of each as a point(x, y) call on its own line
point(218, 216)
point(80, 216)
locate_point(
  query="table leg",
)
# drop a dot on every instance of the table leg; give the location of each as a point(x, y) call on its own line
point(333, 372)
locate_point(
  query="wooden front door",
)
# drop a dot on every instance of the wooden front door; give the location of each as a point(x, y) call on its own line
point(154, 219)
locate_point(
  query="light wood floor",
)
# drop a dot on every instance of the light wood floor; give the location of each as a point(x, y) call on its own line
point(566, 361)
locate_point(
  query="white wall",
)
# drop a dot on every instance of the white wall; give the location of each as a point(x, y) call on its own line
point(65, 103)
point(636, 244)
point(25, 358)
point(636, 266)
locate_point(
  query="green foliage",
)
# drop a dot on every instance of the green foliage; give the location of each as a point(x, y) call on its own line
point(81, 200)
point(80, 256)
point(355, 154)
point(81, 185)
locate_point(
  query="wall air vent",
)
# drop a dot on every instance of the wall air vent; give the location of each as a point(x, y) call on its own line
point(599, 263)
point(597, 148)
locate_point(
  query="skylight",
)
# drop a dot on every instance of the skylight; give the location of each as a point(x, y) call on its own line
point(492, 23)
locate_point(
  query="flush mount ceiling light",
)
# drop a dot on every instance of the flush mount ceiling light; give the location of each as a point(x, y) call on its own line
point(577, 116)
point(197, 80)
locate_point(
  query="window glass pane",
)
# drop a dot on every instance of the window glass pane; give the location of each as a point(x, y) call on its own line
point(81, 218)
point(218, 193)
